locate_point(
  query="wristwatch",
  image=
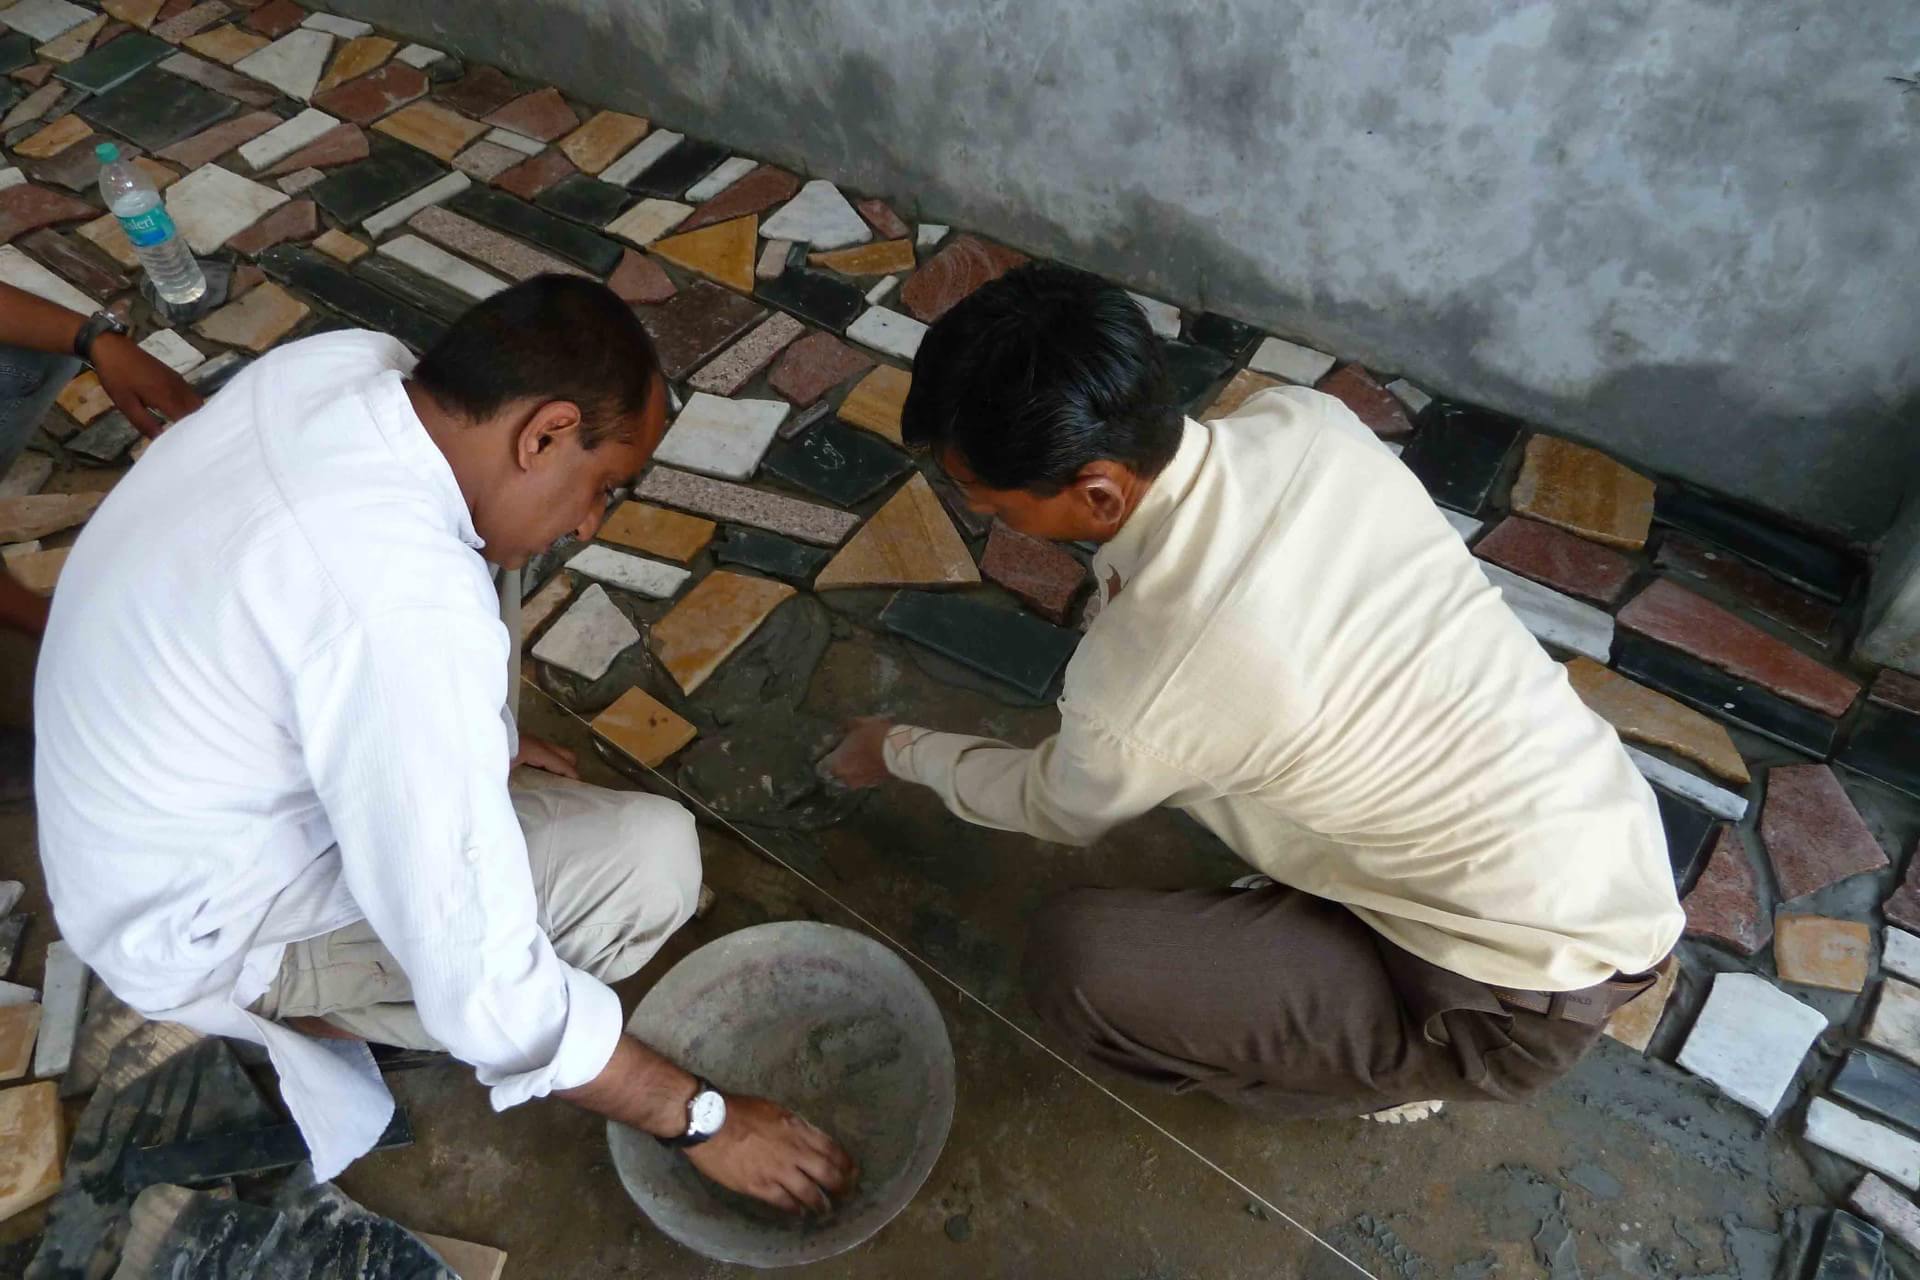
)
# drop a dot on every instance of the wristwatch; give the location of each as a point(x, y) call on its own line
point(98, 323)
point(706, 1112)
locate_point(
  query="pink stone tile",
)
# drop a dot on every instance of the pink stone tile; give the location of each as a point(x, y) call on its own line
point(342, 144)
point(1372, 403)
point(639, 278)
point(1814, 835)
point(733, 368)
point(543, 115)
point(1725, 902)
point(532, 176)
point(1044, 577)
point(1557, 558)
point(211, 144)
point(1755, 588)
point(1896, 689)
point(814, 366)
point(880, 216)
point(295, 220)
point(755, 193)
point(375, 94)
point(966, 263)
point(25, 208)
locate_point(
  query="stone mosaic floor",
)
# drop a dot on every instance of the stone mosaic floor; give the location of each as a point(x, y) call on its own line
point(786, 564)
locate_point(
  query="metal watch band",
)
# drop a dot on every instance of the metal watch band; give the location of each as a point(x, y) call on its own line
point(96, 324)
point(690, 1139)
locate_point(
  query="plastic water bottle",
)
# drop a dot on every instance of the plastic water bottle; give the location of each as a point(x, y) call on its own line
point(163, 251)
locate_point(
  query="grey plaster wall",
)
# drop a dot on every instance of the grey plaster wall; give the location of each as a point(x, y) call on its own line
point(1686, 230)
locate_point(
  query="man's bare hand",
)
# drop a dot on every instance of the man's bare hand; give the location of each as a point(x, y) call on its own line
point(860, 761)
point(149, 393)
point(538, 753)
point(767, 1152)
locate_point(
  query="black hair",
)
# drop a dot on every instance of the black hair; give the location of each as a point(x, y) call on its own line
point(553, 337)
point(1038, 373)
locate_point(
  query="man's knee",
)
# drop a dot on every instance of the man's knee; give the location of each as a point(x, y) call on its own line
point(659, 835)
point(1068, 958)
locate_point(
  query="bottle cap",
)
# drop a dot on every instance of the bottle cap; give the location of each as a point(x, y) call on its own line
point(107, 152)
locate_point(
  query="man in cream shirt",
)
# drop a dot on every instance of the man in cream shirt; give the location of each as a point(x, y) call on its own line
point(1467, 873)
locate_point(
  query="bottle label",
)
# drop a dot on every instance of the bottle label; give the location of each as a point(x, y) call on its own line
point(149, 228)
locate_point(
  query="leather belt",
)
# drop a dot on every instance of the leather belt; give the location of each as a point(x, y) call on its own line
point(1591, 1006)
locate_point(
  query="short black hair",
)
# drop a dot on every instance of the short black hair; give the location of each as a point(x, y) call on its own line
point(1038, 373)
point(552, 337)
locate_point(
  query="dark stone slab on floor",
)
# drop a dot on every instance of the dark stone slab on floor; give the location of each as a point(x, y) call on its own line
point(94, 273)
point(222, 80)
point(232, 1155)
point(1228, 336)
point(1884, 744)
point(105, 438)
point(1688, 828)
point(217, 372)
point(769, 553)
point(156, 109)
point(1812, 566)
point(333, 286)
point(837, 462)
point(199, 1235)
point(1754, 588)
point(1885, 1086)
point(1460, 454)
point(412, 287)
point(1003, 643)
point(330, 1237)
point(584, 199)
point(390, 173)
point(107, 67)
point(1725, 697)
point(16, 51)
point(479, 93)
point(1192, 370)
point(680, 168)
point(827, 300)
point(556, 235)
point(1852, 1250)
point(693, 325)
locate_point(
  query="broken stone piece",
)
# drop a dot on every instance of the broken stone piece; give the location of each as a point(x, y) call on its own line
point(908, 542)
point(588, 637)
point(1813, 834)
point(1584, 491)
point(30, 1146)
point(819, 216)
point(815, 365)
point(1245, 385)
point(1046, 578)
point(1815, 951)
point(19, 1025)
point(719, 500)
point(1725, 902)
point(1854, 1137)
point(1639, 714)
point(644, 728)
point(715, 619)
point(1634, 1023)
point(670, 535)
point(36, 515)
point(1356, 388)
point(1006, 644)
point(720, 437)
point(63, 996)
point(1895, 1213)
point(960, 267)
point(1749, 1040)
point(1895, 1024)
point(1558, 559)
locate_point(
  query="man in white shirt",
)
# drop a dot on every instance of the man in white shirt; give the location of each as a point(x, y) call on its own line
point(1464, 873)
point(273, 754)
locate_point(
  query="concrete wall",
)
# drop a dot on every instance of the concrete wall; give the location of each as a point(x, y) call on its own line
point(1686, 230)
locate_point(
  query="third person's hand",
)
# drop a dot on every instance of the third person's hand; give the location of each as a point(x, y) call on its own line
point(148, 392)
point(860, 760)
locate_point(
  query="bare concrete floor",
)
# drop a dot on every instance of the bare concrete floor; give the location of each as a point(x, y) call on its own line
point(1646, 1172)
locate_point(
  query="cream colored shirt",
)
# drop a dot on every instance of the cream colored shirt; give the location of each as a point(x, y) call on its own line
point(1297, 650)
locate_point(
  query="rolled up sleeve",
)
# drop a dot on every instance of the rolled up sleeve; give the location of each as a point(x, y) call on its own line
point(400, 722)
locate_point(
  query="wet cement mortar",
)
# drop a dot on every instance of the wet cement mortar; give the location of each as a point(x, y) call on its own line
point(1627, 1168)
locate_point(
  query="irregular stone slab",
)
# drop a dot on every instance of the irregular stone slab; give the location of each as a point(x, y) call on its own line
point(679, 168)
point(1671, 614)
point(1899, 1216)
point(819, 216)
point(292, 64)
point(724, 252)
point(1755, 588)
point(1897, 691)
point(908, 542)
point(74, 43)
point(55, 138)
point(274, 18)
point(1415, 400)
point(226, 45)
point(1900, 954)
point(1726, 697)
point(425, 292)
point(542, 114)
point(740, 363)
point(36, 515)
point(1584, 491)
point(28, 473)
point(486, 160)
point(695, 324)
point(510, 257)
point(815, 365)
point(630, 573)
point(641, 157)
point(1813, 834)
point(219, 371)
point(113, 64)
point(298, 220)
point(1880, 1085)
point(1044, 577)
point(718, 500)
point(888, 331)
point(1895, 1025)
point(771, 554)
point(1558, 559)
point(538, 608)
point(25, 208)
point(1884, 744)
point(333, 25)
point(322, 277)
point(647, 221)
point(729, 172)
point(1717, 801)
point(584, 199)
point(442, 189)
point(211, 144)
point(716, 618)
point(480, 92)
point(1815, 951)
point(104, 441)
point(63, 997)
point(657, 531)
point(877, 400)
point(380, 93)
point(222, 80)
point(190, 21)
point(825, 299)
point(32, 107)
point(597, 143)
point(31, 1135)
point(44, 20)
point(1749, 1040)
point(19, 1024)
point(837, 463)
point(1687, 827)
point(38, 571)
point(22, 272)
point(1461, 453)
point(596, 253)
point(1005, 644)
point(211, 205)
point(257, 321)
point(432, 128)
point(1725, 903)
point(1634, 1023)
point(1812, 566)
point(437, 264)
point(639, 278)
point(1230, 337)
point(247, 1153)
point(341, 246)
point(880, 259)
point(720, 437)
point(886, 224)
point(80, 268)
point(757, 192)
point(356, 58)
point(1291, 361)
point(588, 636)
point(1639, 714)
point(1354, 387)
point(962, 266)
point(1554, 619)
point(1245, 385)
point(341, 145)
point(1860, 1140)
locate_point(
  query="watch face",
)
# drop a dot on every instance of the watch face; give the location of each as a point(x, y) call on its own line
point(708, 1113)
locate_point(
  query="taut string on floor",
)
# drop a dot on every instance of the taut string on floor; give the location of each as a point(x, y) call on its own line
point(965, 994)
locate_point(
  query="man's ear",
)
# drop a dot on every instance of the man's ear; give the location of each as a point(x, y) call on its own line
point(547, 426)
point(1102, 488)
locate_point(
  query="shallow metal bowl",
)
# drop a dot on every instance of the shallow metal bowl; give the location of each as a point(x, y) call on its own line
point(824, 1021)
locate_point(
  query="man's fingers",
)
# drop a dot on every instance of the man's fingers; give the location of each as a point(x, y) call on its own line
point(781, 1198)
point(137, 413)
point(824, 1170)
point(806, 1190)
point(836, 1154)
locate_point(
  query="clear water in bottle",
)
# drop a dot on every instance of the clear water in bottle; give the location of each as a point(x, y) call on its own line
point(163, 251)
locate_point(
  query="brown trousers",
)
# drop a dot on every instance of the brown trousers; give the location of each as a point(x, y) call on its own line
point(1279, 1000)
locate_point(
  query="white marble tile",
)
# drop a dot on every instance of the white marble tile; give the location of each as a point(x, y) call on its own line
point(283, 140)
point(1465, 526)
point(11, 178)
point(629, 572)
point(22, 272)
point(173, 351)
point(1282, 359)
point(419, 56)
point(773, 260)
point(63, 997)
point(211, 205)
point(28, 474)
point(334, 25)
point(1410, 396)
point(1895, 1025)
point(888, 331)
point(1880, 1204)
point(1163, 316)
point(643, 153)
point(1856, 1138)
point(649, 220)
point(1900, 954)
point(44, 20)
point(379, 223)
point(436, 263)
point(819, 216)
point(882, 290)
point(519, 142)
point(930, 234)
point(292, 64)
point(1716, 800)
point(588, 636)
point(731, 170)
point(1553, 618)
point(719, 437)
point(1749, 1040)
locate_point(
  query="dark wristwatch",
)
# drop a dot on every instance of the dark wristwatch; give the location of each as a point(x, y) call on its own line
point(98, 323)
point(706, 1112)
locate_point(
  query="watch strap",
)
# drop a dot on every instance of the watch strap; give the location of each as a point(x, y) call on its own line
point(690, 1139)
point(96, 324)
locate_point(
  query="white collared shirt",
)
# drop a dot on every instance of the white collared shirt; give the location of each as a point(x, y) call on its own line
point(269, 705)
